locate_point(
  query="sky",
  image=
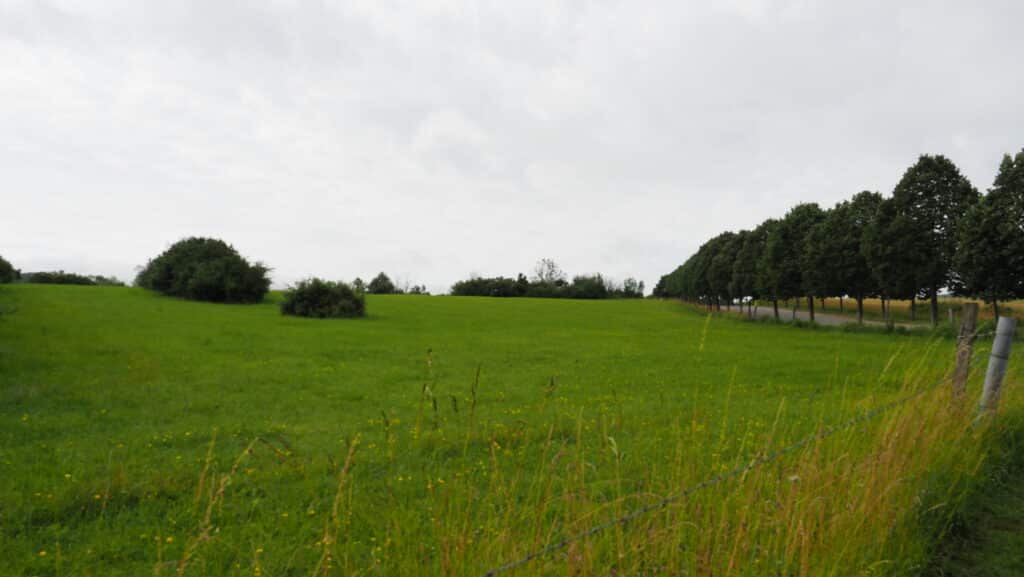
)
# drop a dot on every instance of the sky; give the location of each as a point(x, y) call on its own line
point(439, 139)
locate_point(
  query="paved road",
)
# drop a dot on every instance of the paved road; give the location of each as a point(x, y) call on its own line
point(824, 318)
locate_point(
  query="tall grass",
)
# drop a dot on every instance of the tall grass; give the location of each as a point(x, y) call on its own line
point(870, 499)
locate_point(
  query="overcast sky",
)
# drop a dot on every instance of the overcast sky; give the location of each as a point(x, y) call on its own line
point(437, 139)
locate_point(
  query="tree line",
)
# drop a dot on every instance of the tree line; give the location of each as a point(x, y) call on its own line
point(549, 281)
point(936, 233)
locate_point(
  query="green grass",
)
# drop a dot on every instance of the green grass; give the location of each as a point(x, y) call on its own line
point(478, 429)
point(987, 540)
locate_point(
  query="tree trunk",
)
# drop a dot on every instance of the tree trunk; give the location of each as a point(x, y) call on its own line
point(995, 309)
point(860, 310)
point(842, 308)
point(810, 307)
point(796, 305)
point(822, 303)
point(718, 304)
point(913, 307)
point(775, 305)
point(935, 308)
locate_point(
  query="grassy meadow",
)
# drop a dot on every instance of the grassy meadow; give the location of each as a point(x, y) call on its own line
point(144, 435)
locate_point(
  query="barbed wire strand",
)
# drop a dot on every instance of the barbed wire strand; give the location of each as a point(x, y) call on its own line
point(718, 479)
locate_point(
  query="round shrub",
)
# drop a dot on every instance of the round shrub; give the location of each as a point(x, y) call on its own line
point(205, 269)
point(323, 300)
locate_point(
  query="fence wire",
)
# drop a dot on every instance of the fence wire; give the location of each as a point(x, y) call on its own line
point(721, 478)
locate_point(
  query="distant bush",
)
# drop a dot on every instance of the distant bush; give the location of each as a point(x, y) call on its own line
point(205, 269)
point(381, 285)
point(323, 299)
point(58, 277)
point(491, 287)
point(7, 271)
point(588, 287)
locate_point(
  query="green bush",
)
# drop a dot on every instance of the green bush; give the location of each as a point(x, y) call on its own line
point(205, 269)
point(322, 299)
point(7, 271)
point(381, 285)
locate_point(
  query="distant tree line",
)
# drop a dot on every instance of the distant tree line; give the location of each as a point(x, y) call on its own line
point(549, 282)
point(935, 233)
point(383, 285)
point(61, 277)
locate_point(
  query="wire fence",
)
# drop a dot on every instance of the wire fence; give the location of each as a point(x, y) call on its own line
point(738, 471)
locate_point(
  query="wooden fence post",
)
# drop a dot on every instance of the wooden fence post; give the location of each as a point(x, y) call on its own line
point(964, 349)
point(997, 362)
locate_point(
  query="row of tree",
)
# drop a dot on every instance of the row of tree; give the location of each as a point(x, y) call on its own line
point(935, 233)
point(383, 285)
point(549, 281)
point(10, 274)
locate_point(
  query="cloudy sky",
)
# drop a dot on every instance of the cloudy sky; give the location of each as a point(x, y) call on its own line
point(438, 139)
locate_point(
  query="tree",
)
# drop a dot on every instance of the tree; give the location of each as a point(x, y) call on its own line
point(381, 285)
point(889, 245)
point(632, 289)
point(547, 272)
point(989, 261)
point(745, 278)
point(7, 271)
point(359, 285)
point(833, 254)
point(782, 259)
point(820, 276)
point(933, 196)
point(721, 265)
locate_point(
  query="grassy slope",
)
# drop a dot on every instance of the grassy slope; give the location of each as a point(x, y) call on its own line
point(108, 399)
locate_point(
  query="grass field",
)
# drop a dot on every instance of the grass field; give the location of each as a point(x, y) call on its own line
point(440, 435)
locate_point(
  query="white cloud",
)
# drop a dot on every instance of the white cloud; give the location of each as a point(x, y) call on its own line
point(432, 140)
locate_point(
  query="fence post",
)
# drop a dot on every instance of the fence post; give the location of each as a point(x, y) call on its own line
point(964, 349)
point(997, 364)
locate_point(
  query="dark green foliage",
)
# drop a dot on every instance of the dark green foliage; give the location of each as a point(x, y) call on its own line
point(889, 244)
point(322, 299)
point(630, 289)
point(381, 285)
point(359, 285)
point(107, 280)
point(990, 259)
point(587, 287)
point(205, 269)
point(748, 275)
point(581, 287)
point(933, 196)
point(58, 277)
point(490, 287)
point(7, 271)
point(722, 263)
point(784, 249)
point(834, 265)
